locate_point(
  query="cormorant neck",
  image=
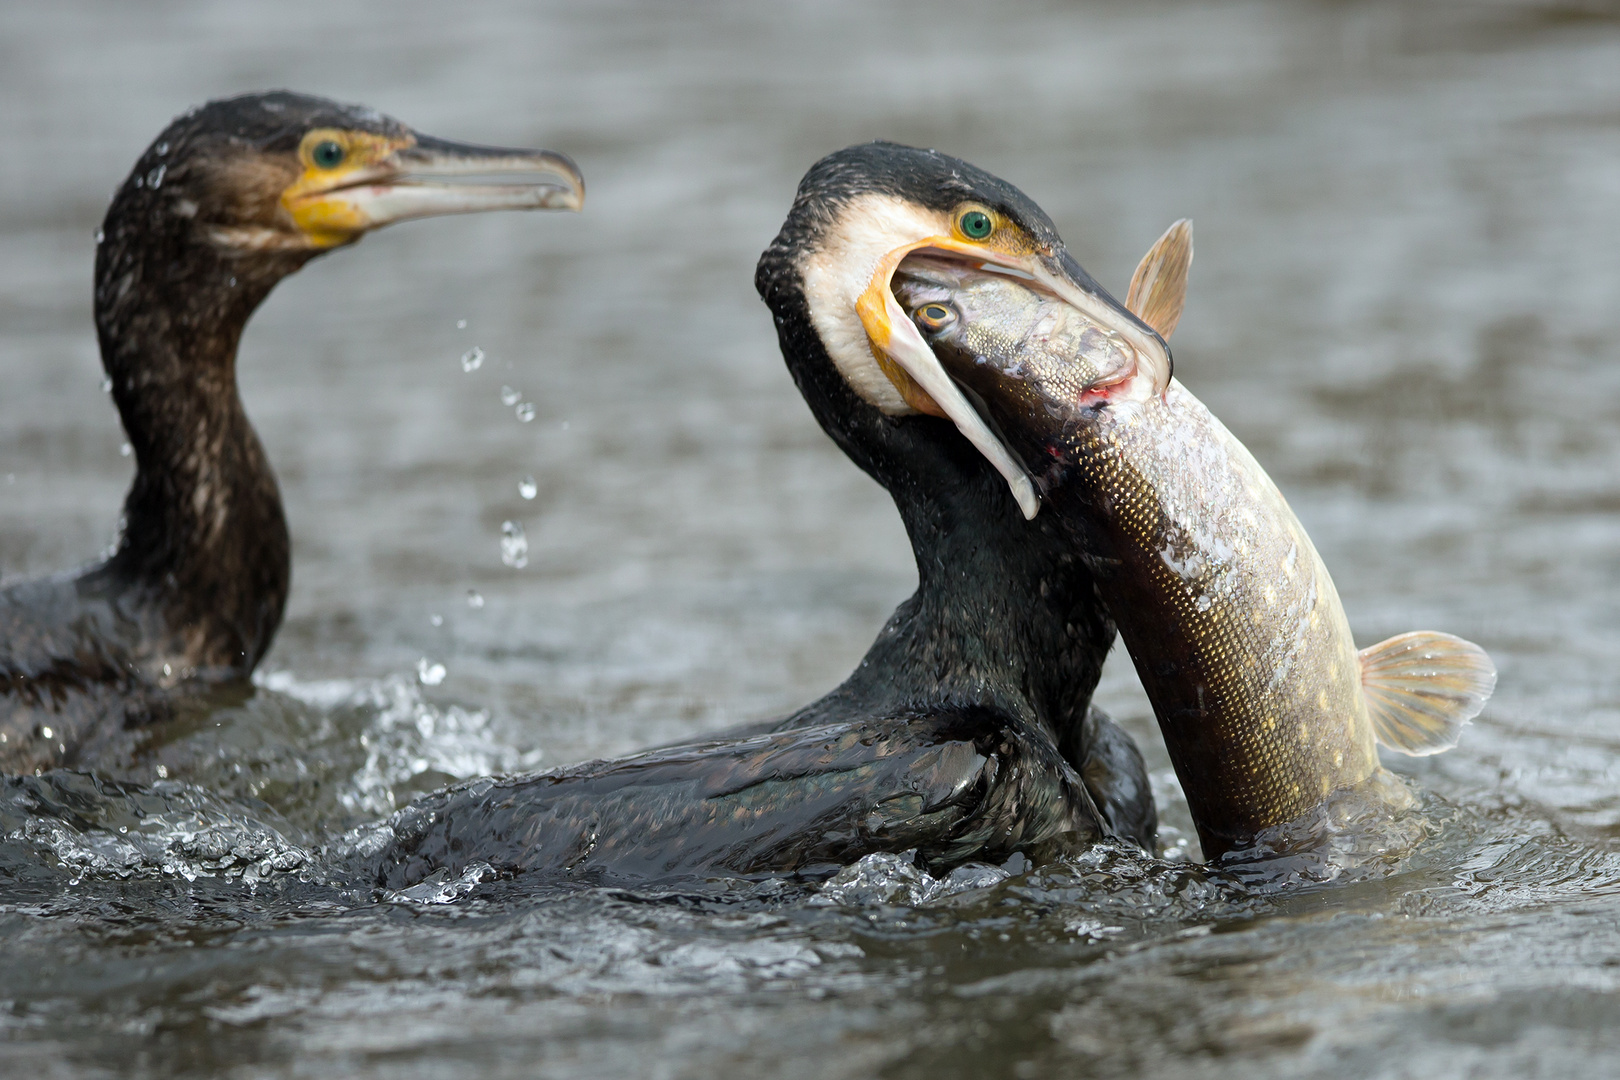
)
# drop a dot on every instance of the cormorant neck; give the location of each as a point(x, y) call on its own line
point(1005, 614)
point(204, 540)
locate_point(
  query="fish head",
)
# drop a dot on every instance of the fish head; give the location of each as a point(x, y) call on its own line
point(1034, 305)
point(1029, 359)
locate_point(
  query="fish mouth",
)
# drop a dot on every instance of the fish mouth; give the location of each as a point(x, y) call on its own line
point(893, 337)
point(422, 176)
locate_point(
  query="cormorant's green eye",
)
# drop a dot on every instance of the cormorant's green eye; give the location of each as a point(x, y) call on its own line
point(327, 154)
point(934, 317)
point(976, 224)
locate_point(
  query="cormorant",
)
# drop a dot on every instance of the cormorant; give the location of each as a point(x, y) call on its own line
point(966, 732)
point(228, 200)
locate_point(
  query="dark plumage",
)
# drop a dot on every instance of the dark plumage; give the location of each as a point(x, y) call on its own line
point(213, 215)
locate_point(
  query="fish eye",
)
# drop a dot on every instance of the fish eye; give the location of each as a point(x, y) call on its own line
point(328, 154)
point(975, 224)
point(934, 317)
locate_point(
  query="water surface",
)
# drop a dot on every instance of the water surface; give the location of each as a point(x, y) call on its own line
point(1403, 302)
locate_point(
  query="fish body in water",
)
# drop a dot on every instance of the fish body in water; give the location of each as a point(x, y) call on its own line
point(1230, 616)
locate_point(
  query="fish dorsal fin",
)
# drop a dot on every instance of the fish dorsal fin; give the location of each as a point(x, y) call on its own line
point(1159, 286)
point(1421, 688)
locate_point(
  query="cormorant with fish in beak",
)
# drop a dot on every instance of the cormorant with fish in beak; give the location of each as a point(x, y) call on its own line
point(966, 733)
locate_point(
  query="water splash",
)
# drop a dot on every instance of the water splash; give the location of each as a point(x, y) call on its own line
point(91, 827)
point(885, 878)
point(527, 488)
point(514, 545)
point(440, 888)
point(379, 744)
point(429, 673)
point(473, 358)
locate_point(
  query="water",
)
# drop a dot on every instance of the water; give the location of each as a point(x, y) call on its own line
point(1403, 302)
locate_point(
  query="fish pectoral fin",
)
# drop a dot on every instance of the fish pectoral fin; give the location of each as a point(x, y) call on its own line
point(1422, 687)
point(1159, 286)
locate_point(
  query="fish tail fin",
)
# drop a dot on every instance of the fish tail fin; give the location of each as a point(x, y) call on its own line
point(1159, 287)
point(1422, 687)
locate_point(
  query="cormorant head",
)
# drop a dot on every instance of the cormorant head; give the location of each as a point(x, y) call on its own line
point(266, 181)
point(858, 358)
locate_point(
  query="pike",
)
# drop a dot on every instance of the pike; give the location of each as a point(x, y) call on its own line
point(1230, 616)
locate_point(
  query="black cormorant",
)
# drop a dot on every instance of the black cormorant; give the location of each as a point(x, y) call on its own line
point(966, 732)
point(228, 200)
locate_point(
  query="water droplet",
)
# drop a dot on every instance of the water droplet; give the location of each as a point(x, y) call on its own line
point(47, 733)
point(232, 283)
point(509, 396)
point(472, 359)
point(528, 488)
point(125, 450)
point(430, 673)
point(100, 235)
point(514, 545)
point(167, 670)
point(163, 772)
point(436, 620)
point(106, 384)
point(475, 599)
point(461, 324)
point(525, 412)
point(162, 148)
point(154, 179)
point(140, 181)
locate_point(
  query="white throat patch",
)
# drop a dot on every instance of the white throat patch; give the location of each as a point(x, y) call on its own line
point(867, 228)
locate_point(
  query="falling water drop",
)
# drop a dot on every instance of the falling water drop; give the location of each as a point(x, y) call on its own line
point(509, 396)
point(436, 620)
point(472, 359)
point(525, 412)
point(514, 545)
point(461, 324)
point(430, 673)
point(528, 488)
point(125, 450)
point(475, 599)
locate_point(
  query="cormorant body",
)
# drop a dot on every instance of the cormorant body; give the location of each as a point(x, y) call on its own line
point(228, 200)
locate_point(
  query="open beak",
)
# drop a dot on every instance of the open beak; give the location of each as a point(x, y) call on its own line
point(892, 333)
point(430, 177)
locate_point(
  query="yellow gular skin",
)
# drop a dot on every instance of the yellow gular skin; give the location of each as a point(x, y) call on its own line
point(316, 200)
point(873, 306)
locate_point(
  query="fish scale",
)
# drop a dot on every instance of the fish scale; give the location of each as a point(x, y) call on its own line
point(1262, 670)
